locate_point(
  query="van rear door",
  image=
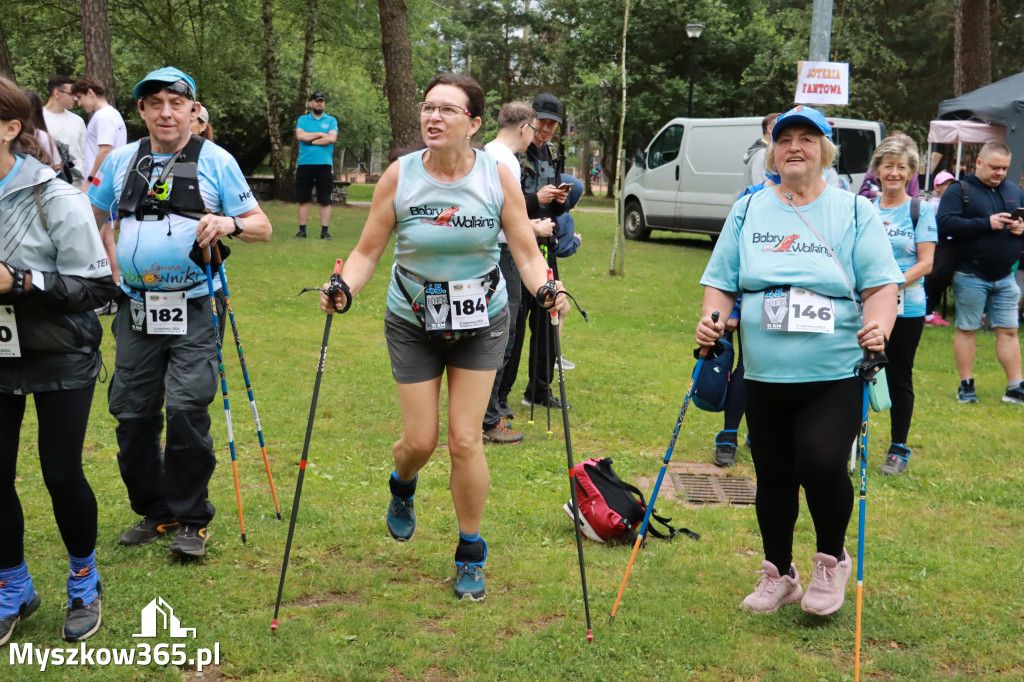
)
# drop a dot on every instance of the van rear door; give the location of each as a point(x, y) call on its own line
point(661, 179)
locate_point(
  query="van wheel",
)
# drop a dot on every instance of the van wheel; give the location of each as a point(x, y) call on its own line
point(633, 225)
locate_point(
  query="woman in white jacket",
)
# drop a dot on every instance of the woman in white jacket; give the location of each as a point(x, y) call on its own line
point(53, 273)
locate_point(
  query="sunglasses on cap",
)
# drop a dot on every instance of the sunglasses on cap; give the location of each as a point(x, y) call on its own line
point(175, 88)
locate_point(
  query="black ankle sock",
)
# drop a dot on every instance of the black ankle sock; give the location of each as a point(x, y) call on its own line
point(470, 552)
point(302, 228)
point(403, 489)
point(324, 229)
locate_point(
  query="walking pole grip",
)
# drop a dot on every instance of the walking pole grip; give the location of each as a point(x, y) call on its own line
point(554, 313)
point(704, 350)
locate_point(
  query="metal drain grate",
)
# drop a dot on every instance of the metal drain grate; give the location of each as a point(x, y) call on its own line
point(711, 489)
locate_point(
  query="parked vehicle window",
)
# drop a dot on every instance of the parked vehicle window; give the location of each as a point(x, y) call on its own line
point(665, 147)
point(855, 150)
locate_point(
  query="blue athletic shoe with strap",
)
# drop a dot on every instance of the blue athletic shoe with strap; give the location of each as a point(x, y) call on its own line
point(85, 598)
point(18, 599)
point(1014, 395)
point(401, 517)
point(898, 458)
point(966, 393)
point(469, 570)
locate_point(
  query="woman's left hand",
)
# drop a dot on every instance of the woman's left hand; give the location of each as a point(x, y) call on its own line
point(561, 302)
point(871, 338)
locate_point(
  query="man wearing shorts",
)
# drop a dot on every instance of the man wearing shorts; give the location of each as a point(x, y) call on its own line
point(316, 132)
point(978, 214)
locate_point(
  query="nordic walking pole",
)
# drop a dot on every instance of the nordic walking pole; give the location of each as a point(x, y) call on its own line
point(245, 375)
point(337, 284)
point(223, 383)
point(661, 474)
point(866, 370)
point(569, 457)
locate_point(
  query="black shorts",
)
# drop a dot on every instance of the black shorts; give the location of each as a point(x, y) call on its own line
point(417, 356)
point(307, 175)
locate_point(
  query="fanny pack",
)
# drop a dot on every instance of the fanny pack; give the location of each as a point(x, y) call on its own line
point(436, 316)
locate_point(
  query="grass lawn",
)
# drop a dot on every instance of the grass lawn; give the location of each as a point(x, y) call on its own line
point(944, 598)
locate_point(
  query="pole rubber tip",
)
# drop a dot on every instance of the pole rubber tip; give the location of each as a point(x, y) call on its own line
point(278, 516)
point(590, 636)
point(243, 538)
point(273, 627)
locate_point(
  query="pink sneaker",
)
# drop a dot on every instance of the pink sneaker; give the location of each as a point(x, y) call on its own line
point(773, 590)
point(935, 320)
point(827, 590)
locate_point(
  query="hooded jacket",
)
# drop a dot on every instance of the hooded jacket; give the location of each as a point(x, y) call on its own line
point(753, 160)
point(59, 334)
point(981, 251)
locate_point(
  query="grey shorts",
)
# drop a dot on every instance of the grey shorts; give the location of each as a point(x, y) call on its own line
point(417, 356)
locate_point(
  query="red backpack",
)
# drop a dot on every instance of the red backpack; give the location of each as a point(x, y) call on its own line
point(609, 507)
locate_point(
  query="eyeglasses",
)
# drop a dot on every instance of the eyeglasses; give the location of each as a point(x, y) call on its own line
point(447, 110)
point(531, 127)
point(64, 92)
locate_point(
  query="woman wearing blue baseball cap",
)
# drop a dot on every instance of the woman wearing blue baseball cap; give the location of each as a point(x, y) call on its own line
point(819, 290)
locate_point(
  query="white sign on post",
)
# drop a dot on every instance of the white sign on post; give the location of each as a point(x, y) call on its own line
point(823, 83)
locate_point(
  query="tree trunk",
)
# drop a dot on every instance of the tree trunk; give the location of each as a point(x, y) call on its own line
point(305, 78)
point(273, 119)
point(609, 165)
point(96, 45)
point(6, 64)
point(972, 49)
point(401, 89)
point(588, 151)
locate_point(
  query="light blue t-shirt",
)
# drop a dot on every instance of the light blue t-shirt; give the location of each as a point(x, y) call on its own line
point(313, 154)
point(153, 254)
point(764, 244)
point(446, 231)
point(904, 239)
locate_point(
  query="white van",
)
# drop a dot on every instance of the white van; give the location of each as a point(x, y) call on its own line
point(691, 173)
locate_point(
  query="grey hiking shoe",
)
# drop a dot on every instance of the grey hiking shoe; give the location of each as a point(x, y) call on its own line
point(897, 460)
point(83, 620)
point(191, 541)
point(401, 518)
point(469, 582)
point(966, 393)
point(19, 600)
point(501, 434)
point(147, 530)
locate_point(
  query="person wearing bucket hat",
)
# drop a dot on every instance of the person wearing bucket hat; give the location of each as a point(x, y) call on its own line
point(819, 282)
point(169, 192)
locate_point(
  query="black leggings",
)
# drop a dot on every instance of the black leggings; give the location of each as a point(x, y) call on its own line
point(736, 397)
point(63, 416)
point(906, 335)
point(800, 435)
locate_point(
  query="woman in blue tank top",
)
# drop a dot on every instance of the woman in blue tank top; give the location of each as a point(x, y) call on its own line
point(446, 302)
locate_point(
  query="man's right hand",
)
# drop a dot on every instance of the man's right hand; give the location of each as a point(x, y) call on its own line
point(999, 221)
point(549, 193)
point(543, 227)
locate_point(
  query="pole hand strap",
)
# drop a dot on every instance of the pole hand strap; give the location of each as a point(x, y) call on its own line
point(547, 295)
point(868, 368)
point(336, 284)
point(20, 277)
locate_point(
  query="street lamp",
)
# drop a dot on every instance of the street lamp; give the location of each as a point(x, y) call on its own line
point(693, 31)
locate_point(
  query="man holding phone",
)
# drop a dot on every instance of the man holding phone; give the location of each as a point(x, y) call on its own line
point(545, 198)
point(983, 215)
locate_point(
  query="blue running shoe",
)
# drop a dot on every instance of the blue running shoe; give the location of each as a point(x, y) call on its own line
point(469, 575)
point(1014, 395)
point(966, 393)
point(401, 518)
point(18, 599)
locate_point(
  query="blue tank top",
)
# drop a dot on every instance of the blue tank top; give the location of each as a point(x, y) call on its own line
point(446, 231)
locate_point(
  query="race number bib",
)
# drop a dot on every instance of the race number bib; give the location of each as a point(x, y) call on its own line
point(795, 309)
point(9, 346)
point(166, 313)
point(456, 305)
point(899, 301)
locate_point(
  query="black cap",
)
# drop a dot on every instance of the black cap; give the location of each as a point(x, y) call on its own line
point(548, 106)
point(317, 95)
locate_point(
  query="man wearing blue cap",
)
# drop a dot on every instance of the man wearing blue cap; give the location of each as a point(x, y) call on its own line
point(170, 193)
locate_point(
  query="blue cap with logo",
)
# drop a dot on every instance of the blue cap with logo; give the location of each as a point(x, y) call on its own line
point(801, 115)
point(167, 75)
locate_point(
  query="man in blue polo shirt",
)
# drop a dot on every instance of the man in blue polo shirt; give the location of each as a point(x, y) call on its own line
point(316, 132)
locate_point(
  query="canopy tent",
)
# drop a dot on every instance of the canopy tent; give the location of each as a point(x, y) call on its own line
point(1001, 103)
point(958, 132)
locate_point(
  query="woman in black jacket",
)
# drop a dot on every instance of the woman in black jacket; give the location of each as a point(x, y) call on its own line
point(53, 273)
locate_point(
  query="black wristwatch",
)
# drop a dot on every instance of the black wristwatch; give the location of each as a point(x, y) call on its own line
point(239, 227)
